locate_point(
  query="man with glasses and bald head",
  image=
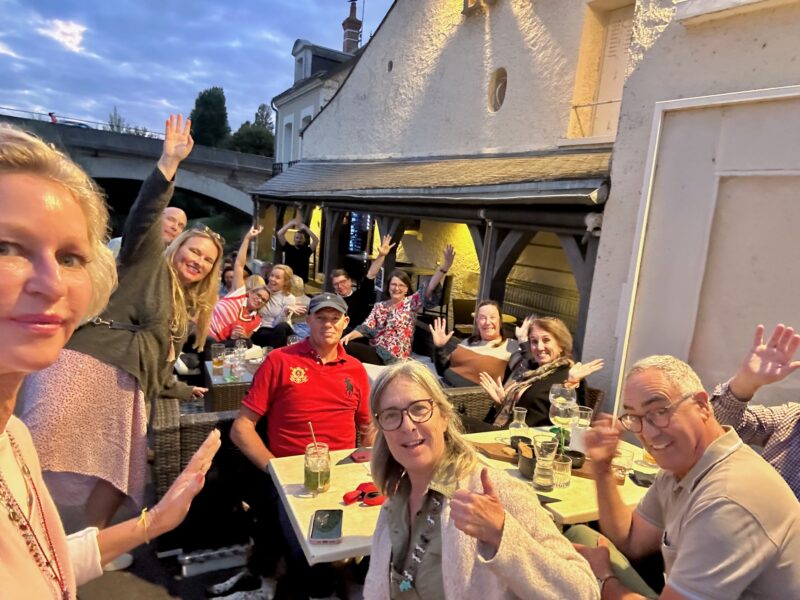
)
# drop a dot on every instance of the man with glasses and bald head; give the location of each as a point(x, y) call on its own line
point(726, 524)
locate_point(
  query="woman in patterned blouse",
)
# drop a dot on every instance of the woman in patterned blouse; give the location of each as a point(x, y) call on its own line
point(390, 325)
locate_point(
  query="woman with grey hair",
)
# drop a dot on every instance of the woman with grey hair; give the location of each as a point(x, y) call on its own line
point(441, 501)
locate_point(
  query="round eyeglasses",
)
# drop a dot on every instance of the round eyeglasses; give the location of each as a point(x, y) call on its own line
point(659, 417)
point(418, 411)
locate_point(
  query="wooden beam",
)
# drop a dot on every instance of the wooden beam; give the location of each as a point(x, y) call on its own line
point(330, 239)
point(581, 258)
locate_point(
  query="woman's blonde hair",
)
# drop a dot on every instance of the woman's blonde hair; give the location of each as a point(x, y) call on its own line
point(22, 152)
point(255, 282)
point(386, 471)
point(287, 277)
point(196, 301)
point(298, 287)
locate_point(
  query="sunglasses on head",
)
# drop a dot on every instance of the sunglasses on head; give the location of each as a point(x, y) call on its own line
point(209, 232)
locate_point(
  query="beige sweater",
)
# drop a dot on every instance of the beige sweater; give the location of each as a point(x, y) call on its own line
point(533, 561)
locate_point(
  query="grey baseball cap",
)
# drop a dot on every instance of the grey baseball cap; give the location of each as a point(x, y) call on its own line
point(327, 300)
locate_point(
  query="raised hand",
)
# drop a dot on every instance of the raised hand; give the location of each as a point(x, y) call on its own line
point(448, 256)
point(601, 442)
point(494, 388)
point(178, 144)
point(439, 332)
point(580, 371)
point(254, 232)
point(172, 508)
point(766, 363)
point(386, 246)
point(523, 330)
point(480, 515)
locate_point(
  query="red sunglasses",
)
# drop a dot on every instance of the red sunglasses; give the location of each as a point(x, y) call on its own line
point(366, 493)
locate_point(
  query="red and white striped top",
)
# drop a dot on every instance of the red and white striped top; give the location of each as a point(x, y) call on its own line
point(230, 312)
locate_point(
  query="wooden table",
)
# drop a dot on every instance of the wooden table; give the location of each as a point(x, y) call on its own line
point(578, 502)
point(223, 394)
point(358, 523)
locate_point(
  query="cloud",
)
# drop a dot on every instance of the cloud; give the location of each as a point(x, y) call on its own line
point(4, 49)
point(67, 33)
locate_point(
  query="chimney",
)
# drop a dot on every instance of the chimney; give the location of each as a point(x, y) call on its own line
point(352, 30)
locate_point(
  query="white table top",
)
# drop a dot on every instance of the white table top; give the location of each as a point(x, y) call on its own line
point(577, 503)
point(358, 523)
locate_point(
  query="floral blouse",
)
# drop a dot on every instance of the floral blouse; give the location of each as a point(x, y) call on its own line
point(390, 327)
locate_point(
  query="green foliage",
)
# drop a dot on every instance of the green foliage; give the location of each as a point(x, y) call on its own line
point(257, 137)
point(210, 118)
point(118, 124)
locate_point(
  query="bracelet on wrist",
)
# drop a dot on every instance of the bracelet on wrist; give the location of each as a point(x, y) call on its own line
point(602, 582)
point(441, 270)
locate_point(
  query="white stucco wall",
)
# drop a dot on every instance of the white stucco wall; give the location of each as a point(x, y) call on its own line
point(434, 101)
point(752, 51)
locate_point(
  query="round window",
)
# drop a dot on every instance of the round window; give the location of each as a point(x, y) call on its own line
point(497, 89)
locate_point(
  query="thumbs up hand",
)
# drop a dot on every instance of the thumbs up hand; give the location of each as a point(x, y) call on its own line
point(480, 515)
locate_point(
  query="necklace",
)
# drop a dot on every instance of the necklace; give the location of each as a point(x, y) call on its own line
point(48, 566)
point(406, 582)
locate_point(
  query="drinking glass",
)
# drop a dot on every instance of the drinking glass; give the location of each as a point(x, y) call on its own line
point(217, 356)
point(231, 361)
point(579, 428)
point(293, 339)
point(317, 468)
point(621, 464)
point(562, 471)
point(566, 394)
point(545, 447)
point(518, 426)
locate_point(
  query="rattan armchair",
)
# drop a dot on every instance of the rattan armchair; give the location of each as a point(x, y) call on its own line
point(176, 436)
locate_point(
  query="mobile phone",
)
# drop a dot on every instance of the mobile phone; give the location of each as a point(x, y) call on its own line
point(326, 527)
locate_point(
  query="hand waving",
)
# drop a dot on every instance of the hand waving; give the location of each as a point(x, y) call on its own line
point(254, 232)
point(480, 515)
point(766, 363)
point(439, 332)
point(580, 371)
point(386, 246)
point(523, 330)
point(448, 256)
point(494, 388)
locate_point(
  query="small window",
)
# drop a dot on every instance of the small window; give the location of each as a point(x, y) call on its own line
point(497, 89)
point(389, 66)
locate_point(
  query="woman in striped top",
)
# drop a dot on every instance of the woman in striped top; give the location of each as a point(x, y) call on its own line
point(236, 317)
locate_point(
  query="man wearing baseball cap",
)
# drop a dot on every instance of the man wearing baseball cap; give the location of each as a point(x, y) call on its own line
point(313, 380)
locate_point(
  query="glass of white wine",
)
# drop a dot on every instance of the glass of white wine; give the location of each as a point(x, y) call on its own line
point(563, 408)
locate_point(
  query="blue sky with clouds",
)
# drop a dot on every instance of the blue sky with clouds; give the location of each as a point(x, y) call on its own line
point(80, 58)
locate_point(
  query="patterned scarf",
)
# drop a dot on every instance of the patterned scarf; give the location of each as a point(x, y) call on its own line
point(520, 381)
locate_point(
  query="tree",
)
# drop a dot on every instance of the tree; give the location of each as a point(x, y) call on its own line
point(116, 122)
point(257, 137)
point(210, 118)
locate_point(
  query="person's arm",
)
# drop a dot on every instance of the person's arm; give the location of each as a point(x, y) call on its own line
point(143, 223)
point(383, 251)
point(368, 328)
point(246, 438)
point(241, 257)
point(281, 234)
point(168, 513)
point(627, 529)
point(766, 363)
point(580, 371)
point(448, 255)
point(754, 424)
point(312, 237)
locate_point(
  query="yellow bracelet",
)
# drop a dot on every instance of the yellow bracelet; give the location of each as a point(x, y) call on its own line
point(143, 521)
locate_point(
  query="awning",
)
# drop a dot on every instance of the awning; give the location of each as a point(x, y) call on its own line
point(560, 177)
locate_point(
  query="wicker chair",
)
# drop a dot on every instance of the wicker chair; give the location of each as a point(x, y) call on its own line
point(175, 438)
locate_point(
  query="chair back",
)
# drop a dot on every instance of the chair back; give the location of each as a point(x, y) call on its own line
point(594, 398)
point(462, 311)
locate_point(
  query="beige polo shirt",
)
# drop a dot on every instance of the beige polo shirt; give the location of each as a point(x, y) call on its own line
point(731, 526)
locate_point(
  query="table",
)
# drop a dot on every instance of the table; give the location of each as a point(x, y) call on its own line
point(223, 394)
point(578, 502)
point(358, 523)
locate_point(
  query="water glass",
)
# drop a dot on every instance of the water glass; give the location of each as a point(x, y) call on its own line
point(562, 471)
point(545, 447)
point(579, 429)
point(231, 362)
point(317, 468)
point(621, 464)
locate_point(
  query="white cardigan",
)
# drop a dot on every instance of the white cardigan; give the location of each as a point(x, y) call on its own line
point(534, 559)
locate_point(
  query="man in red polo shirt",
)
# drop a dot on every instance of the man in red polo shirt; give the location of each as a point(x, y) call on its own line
point(314, 380)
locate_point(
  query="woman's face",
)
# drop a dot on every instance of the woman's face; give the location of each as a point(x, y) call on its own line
point(418, 447)
point(488, 322)
point(257, 298)
point(227, 279)
point(195, 259)
point(45, 288)
point(277, 280)
point(544, 346)
point(397, 289)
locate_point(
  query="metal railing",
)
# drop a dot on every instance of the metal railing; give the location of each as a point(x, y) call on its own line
point(59, 119)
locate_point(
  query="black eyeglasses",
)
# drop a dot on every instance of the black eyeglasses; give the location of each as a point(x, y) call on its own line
point(418, 411)
point(209, 232)
point(659, 417)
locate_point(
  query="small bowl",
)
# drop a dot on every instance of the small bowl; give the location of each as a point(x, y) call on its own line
point(516, 439)
point(578, 458)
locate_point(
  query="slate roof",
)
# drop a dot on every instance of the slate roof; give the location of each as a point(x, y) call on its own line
point(464, 179)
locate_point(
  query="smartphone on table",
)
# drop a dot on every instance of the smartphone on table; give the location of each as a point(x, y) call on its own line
point(326, 526)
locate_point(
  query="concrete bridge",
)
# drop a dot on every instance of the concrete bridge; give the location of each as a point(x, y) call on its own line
point(225, 175)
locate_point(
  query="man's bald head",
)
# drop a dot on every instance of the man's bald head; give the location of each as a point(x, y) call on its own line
point(173, 222)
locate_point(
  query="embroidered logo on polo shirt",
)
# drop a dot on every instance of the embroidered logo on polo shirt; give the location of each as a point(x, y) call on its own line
point(348, 384)
point(298, 375)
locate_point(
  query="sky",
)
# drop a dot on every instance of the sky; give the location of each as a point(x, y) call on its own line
point(82, 58)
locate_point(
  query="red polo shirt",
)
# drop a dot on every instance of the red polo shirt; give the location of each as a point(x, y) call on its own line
point(293, 387)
